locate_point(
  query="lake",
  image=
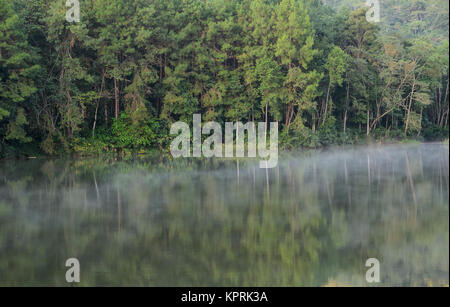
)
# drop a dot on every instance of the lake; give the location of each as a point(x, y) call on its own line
point(314, 220)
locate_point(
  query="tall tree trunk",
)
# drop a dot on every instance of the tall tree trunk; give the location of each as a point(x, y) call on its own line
point(116, 96)
point(410, 105)
point(288, 111)
point(267, 111)
point(438, 108)
point(420, 127)
point(368, 121)
point(326, 103)
point(441, 118)
point(346, 106)
point(313, 122)
point(289, 115)
point(106, 112)
point(345, 121)
point(95, 119)
point(446, 118)
point(98, 103)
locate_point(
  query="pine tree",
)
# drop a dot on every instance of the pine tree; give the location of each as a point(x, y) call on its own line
point(18, 70)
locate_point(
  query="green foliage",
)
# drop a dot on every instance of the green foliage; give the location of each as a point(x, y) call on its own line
point(130, 68)
point(125, 136)
point(336, 65)
point(16, 128)
point(18, 70)
point(142, 134)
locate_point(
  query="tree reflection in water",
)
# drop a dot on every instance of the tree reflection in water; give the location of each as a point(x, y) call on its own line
point(153, 221)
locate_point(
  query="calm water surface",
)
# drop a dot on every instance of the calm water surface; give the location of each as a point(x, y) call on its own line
point(312, 221)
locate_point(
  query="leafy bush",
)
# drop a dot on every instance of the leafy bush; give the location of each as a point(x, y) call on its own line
point(435, 132)
point(124, 135)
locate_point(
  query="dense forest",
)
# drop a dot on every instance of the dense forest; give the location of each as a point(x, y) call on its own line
point(116, 80)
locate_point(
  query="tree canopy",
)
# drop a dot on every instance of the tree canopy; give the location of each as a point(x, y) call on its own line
point(117, 79)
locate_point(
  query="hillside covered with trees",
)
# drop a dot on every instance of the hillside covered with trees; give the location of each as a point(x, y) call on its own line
point(116, 80)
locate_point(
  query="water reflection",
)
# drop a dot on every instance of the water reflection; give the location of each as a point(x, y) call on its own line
point(153, 221)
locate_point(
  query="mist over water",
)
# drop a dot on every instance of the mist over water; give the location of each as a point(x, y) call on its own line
point(313, 220)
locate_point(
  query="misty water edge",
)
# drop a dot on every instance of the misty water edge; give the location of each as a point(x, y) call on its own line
point(313, 220)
